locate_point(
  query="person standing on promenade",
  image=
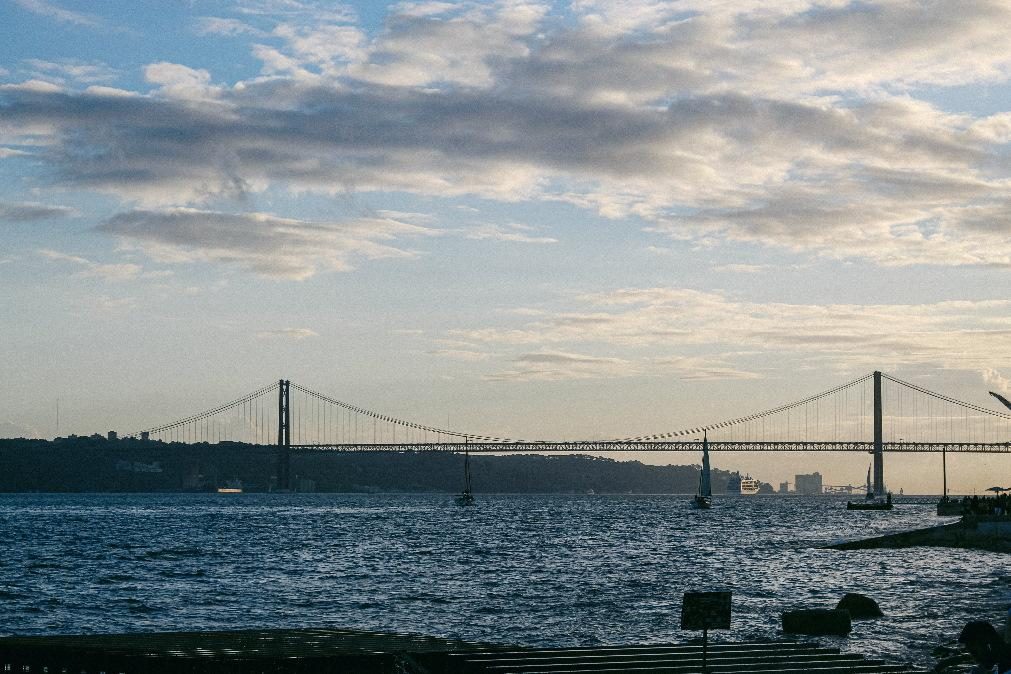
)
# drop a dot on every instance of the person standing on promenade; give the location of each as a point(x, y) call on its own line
point(986, 647)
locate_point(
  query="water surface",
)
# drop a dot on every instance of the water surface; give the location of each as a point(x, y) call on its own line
point(537, 570)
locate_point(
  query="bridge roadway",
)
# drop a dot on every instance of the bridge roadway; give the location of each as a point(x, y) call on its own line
point(520, 446)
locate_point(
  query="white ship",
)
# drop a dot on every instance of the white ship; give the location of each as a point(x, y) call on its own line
point(745, 486)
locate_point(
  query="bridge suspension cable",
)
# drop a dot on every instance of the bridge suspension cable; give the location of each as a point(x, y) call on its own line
point(393, 421)
point(252, 414)
point(756, 416)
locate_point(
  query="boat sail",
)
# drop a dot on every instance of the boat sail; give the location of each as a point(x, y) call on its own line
point(871, 501)
point(704, 499)
point(467, 497)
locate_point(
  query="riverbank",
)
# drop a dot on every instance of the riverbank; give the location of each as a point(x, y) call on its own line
point(991, 533)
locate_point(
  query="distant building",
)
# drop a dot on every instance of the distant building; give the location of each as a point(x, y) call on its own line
point(113, 435)
point(808, 484)
point(784, 487)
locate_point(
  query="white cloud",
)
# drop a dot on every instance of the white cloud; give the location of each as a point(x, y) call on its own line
point(296, 334)
point(558, 365)
point(71, 70)
point(695, 334)
point(461, 354)
point(213, 25)
point(789, 123)
point(994, 378)
point(742, 268)
point(268, 245)
point(512, 233)
point(179, 81)
point(108, 272)
point(44, 8)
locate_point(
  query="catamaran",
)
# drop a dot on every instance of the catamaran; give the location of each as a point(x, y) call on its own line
point(704, 499)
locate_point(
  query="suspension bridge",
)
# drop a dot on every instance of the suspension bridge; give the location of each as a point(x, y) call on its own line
point(876, 413)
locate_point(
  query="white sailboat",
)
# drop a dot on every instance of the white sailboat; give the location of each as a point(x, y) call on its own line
point(704, 499)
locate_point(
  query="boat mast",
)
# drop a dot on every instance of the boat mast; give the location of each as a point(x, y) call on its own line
point(944, 472)
point(705, 484)
point(466, 465)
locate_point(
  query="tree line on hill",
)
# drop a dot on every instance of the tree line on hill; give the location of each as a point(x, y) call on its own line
point(97, 464)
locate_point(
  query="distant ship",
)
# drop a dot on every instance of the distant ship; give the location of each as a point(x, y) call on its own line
point(745, 486)
point(231, 487)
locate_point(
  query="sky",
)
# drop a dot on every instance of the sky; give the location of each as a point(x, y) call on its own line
point(549, 220)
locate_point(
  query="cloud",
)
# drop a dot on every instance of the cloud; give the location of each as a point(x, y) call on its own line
point(213, 25)
point(994, 378)
point(706, 122)
point(742, 268)
point(460, 354)
point(511, 233)
point(71, 70)
point(703, 335)
point(32, 212)
point(263, 243)
point(557, 365)
point(114, 305)
point(179, 81)
point(296, 334)
point(413, 52)
point(48, 9)
point(108, 272)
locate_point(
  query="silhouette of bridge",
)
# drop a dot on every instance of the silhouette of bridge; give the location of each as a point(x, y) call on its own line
point(854, 417)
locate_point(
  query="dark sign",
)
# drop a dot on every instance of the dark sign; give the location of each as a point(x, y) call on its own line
point(706, 611)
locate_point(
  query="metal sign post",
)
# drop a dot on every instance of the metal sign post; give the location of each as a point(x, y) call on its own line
point(705, 611)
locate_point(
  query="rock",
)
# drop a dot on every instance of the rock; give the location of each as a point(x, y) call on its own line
point(860, 606)
point(817, 621)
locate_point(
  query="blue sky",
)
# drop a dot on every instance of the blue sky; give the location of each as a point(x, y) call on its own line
point(527, 219)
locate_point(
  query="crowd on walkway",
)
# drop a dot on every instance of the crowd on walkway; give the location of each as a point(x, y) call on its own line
point(987, 505)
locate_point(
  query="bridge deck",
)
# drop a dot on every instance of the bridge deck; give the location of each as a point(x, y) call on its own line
point(511, 446)
point(330, 651)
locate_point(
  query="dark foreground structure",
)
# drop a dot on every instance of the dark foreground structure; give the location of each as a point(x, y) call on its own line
point(347, 651)
point(972, 532)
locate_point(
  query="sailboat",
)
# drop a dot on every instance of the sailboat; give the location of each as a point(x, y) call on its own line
point(871, 501)
point(704, 499)
point(467, 497)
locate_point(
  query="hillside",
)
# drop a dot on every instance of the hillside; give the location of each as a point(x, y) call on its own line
point(95, 464)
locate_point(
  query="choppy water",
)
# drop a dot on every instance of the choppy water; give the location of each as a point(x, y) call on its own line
point(540, 570)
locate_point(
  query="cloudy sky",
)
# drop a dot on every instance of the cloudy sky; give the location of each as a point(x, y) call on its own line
point(569, 219)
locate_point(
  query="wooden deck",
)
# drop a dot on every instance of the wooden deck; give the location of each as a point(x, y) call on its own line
point(355, 652)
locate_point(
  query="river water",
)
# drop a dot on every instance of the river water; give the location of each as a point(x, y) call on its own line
point(537, 570)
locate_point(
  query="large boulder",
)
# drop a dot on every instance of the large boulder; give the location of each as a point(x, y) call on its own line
point(817, 621)
point(860, 606)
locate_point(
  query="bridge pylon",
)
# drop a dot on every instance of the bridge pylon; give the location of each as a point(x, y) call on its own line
point(283, 436)
point(879, 443)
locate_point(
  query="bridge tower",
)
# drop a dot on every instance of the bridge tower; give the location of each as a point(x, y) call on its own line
point(283, 436)
point(879, 445)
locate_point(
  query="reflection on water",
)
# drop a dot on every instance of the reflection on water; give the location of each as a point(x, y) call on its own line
point(540, 570)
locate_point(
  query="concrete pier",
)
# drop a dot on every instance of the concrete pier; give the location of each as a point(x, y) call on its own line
point(985, 532)
point(332, 651)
